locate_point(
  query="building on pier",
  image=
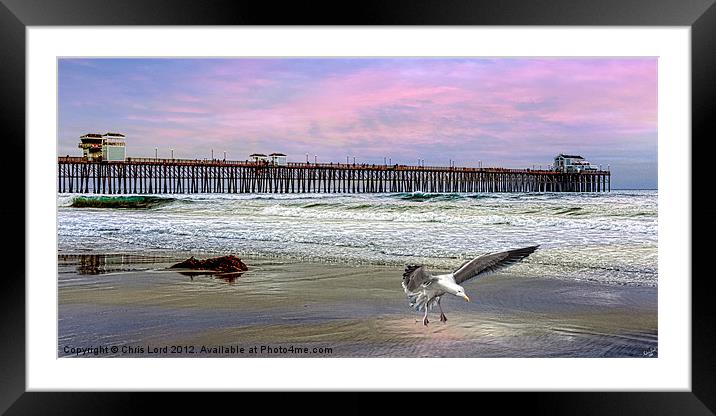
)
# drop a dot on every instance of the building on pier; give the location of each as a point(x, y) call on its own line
point(91, 145)
point(258, 158)
point(572, 164)
point(278, 159)
point(108, 146)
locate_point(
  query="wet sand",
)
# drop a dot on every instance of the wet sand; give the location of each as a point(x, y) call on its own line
point(300, 309)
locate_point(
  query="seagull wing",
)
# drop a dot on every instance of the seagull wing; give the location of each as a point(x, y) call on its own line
point(490, 263)
point(414, 277)
point(416, 283)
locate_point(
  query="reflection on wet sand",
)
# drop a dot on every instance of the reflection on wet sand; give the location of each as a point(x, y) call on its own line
point(469, 335)
point(227, 277)
point(95, 264)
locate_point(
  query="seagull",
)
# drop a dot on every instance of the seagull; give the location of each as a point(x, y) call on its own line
point(425, 290)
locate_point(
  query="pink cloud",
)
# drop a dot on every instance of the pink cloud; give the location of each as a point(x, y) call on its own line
point(379, 105)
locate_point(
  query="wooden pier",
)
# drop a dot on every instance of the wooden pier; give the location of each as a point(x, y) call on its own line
point(166, 176)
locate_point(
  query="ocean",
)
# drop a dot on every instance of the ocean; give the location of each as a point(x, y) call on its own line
point(606, 238)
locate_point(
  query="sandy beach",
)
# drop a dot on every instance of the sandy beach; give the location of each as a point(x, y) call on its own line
point(318, 309)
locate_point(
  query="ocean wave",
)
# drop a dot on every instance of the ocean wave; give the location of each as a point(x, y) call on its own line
point(321, 205)
point(568, 211)
point(436, 196)
point(127, 202)
point(360, 206)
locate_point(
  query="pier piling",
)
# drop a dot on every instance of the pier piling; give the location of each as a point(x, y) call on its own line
point(159, 176)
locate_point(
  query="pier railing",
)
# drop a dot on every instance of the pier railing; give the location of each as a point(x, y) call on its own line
point(154, 175)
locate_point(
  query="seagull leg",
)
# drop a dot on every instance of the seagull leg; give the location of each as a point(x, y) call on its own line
point(425, 318)
point(443, 318)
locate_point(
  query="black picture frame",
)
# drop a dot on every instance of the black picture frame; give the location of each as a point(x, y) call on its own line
point(699, 15)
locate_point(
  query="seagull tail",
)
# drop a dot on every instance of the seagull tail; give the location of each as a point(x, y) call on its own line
point(417, 300)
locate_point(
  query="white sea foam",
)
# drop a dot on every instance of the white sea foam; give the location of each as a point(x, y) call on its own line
point(608, 237)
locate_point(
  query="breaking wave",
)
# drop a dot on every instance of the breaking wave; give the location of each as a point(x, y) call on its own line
point(127, 202)
point(427, 196)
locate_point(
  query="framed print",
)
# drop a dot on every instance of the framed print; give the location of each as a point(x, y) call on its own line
point(220, 198)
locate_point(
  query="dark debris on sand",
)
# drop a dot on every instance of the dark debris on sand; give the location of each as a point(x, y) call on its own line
point(224, 264)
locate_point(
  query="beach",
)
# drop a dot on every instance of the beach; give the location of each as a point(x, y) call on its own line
point(325, 270)
point(308, 309)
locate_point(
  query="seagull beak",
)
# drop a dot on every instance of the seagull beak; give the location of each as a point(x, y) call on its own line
point(467, 299)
